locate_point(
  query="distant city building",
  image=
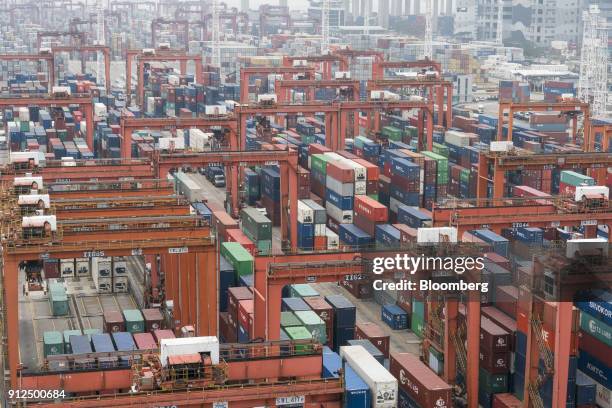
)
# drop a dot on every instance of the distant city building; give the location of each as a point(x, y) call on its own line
point(337, 12)
point(536, 22)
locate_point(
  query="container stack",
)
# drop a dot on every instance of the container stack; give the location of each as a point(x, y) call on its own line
point(258, 228)
point(514, 91)
point(270, 192)
point(344, 320)
point(571, 179)
point(595, 339)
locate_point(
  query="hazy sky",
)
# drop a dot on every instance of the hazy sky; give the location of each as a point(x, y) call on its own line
point(254, 4)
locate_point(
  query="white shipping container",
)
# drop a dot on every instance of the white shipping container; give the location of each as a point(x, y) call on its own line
point(120, 284)
point(40, 200)
point(100, 110)
point(383, 386)
point(603, 397)
point(456, 138)
point(171, 143)
point(582, 191)
point(101, 267)
point(34, 182)
point(119, 266)
point(341, 217)
point(343, 189)
point(319, 230)
point(24, 114)
point(436, 235)
point(82, 266)
point(305, 214)
point(586, 245)
point(39, 221)
point(215, 109)
point(189, 345)
point(104, 285)
point(26, 156)
point(333, 241)
point(67, 267)
point(360, 171)
point(504, 146)
point(360, 187)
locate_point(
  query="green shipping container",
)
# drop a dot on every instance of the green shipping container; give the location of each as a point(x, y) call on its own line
point(318, 162)
point(53, 343)
point(392, 133)
point(417, 325)
point(238, 257)
point(440, 149)
point(59, 300)
point(314, 324)
point(134, 322)
point(299, 333)
point(492, 383)
point(412, 131)
point(596, 328)
point(442, 164)
point(302, 290)
point(576, 179)
point(465, 175)
point(67, 334)
point(418, 308)
point(256, 225)
point(288, 319)
point(264, 247)
point(360, 141)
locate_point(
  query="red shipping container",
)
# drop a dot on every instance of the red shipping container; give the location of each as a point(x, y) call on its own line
point(234, 296)
point(495, 363)
point(407, 234)
point(236, 235)
point(163, 334)
point(51, 268)
point(506, 401)
point(245, 315)
point(493, 338)
point(566, 189)
point(593, 346)
point(320, 243)
point(347, 155)
point(226, 329)
point(365, 224)
point(498, 259)
point(316, 148)
point(340, 171)
point(376, 335)
point(145, 341)
point(502, 320)
point(361, 289)
point(370, 208)
point(372, 170)
point(223, 222)
point(419, 381)
point(507, 295)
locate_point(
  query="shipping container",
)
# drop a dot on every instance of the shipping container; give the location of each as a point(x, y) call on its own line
point(144, 341)
point(382, 385)
point(238, 257)
point(356, 391)
point(53, 343)
point(134, 322)
point(394, 317)
point(375, 334)
point(419, 382)
point(370, 348)
point(153, 319)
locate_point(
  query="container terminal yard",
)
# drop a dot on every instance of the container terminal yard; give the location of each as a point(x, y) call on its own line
point(317, 204)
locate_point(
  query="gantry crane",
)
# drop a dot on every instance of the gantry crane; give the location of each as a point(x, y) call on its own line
point(43, 56)
point(502, 162)
point(570, 108)
point(85, 49)
point(379, 66)
point(499, 214)
point(246, 73)
point(160, 55)
point(86, 104)
point(79, 37)
point(349, 89)
point(324, 61)
point(156, 25)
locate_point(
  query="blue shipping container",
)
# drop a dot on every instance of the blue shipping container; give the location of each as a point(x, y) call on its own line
point(387, 235)
point(102, 343)
point(594, 368)
point(413, 217)
point(290, 304)
point(356, 391)
point(405, 168)
point(344, 311)
point(499, 243)
point(345, 203)
point(331, 363)
point(350, 234)
point(227, 279)
point(395, 317)
point(586, 389)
